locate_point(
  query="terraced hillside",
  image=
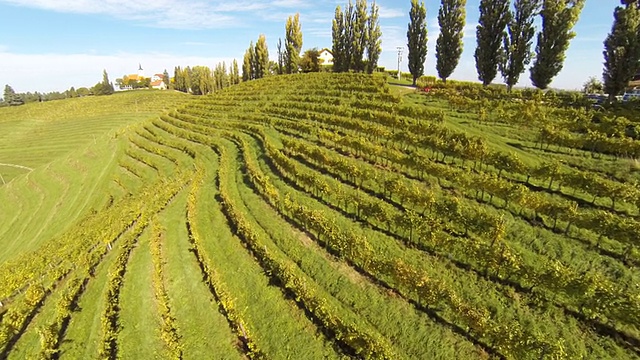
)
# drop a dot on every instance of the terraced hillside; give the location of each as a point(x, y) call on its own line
point(56, 160)
point(322, 216)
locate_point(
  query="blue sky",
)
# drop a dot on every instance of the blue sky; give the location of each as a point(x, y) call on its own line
point(51, 45)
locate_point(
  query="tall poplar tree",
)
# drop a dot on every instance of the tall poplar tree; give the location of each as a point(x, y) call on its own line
point(374, 38)
point(621, 50)
point(451, 18)
point(202, 82)
point(360, 35)
point(293, 44)
point(518, 40)
point(280, 57)
point(417, 39)
point(247, 64)
point(220, 76)
point(558, 18)
point(187, 74)
point(253, 60)
point(261, 57)
point(489, 35)
point(166, 79)
point(105, 87)
point(178, 79)
point(338, 37)
point(235, 73)
point(349, 38)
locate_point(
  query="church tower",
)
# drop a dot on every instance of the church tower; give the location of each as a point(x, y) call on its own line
point(140, 71)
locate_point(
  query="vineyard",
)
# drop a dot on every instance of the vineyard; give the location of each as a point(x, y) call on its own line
point(326, 216)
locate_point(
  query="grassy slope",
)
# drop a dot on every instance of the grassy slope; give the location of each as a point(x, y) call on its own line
point(83, 333)
point(355, 291)
point(282, 331)
point(35, 134)
point(75, 173)
point(140, 320)
point(73, 146)
point(184, 277)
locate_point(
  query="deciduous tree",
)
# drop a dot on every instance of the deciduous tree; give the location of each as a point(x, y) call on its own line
point(248, 64)
point(201, 80)
point(166, 79)
point(489, 35)
point(349, 36)
point(592, 85)
point(417, 39)
point(261, 57)
point(293, 44)
point(451, 18)
point(518, 40)
point(310, 61)
point(104, 87)
point(280, 57)
point(338, 37)
point(374, 39)
point(177, 79)
point(360, 35)
point(558, 18)
point(621, 50)
point(235, 73)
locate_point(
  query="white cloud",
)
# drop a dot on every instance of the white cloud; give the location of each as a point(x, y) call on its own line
point(392, 37)
point(319, 32)
point(180, 14)
point(58, 72)
point(291, 3)
point(469, 30)
point(390, 13)
point(176, 14)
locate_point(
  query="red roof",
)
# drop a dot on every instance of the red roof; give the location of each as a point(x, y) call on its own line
point(157, 83)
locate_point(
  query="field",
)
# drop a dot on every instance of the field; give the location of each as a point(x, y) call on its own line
point(318, 216)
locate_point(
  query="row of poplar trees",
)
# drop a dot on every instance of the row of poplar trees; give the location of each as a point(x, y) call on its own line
point(504, 37)
point(356, 32)
point(256, 59)
point(201, 80)
point(622, 48)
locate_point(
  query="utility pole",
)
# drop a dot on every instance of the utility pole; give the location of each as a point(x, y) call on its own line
point(399, 48)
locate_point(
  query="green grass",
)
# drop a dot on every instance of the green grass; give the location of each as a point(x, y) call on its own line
point(284, 331)
point(37, 133)
point(83, 334)
point(140, 320)
point(357, 293)
point(50, 199)
point(201, 335)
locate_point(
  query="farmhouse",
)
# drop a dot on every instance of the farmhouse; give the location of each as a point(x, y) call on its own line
point(326, 56)
point(158, 84)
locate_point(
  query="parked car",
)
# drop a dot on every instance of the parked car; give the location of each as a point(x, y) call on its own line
point(597, 98)
point(633, 94)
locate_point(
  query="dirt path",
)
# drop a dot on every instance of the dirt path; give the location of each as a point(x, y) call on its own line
point(17, 166)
